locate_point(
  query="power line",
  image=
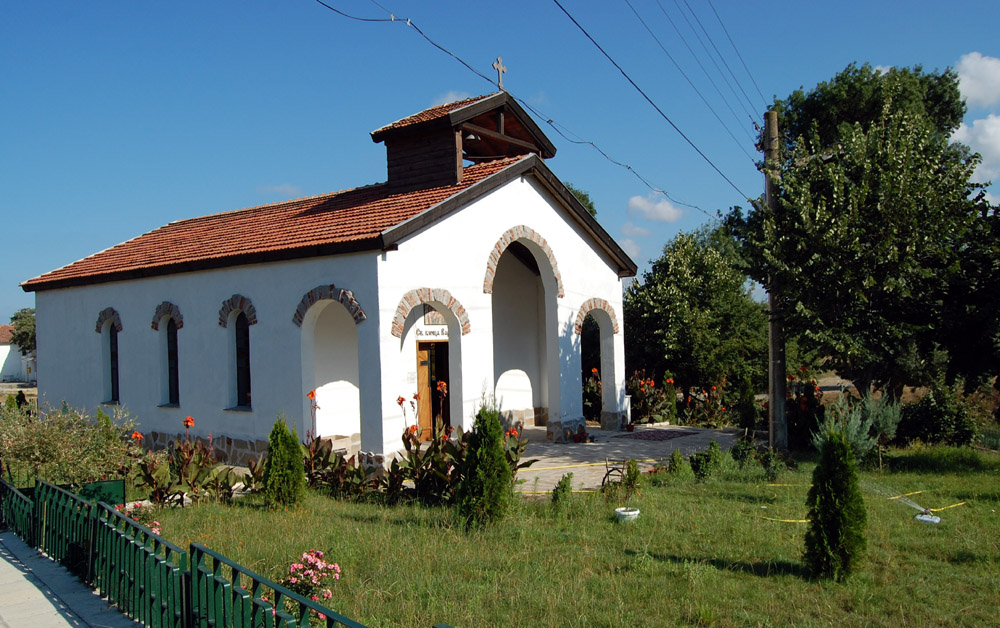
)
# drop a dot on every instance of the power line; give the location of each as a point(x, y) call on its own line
point(691, 83)
point(711, 57)
point(552, 123)
point(737, 50)
point(701, 65)
point(650, 100)
point(721, 57)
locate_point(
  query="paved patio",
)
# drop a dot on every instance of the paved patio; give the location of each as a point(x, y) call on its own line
point(586, 461)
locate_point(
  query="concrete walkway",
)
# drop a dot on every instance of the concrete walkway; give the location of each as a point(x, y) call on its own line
point(39, 593)
point(586, 460)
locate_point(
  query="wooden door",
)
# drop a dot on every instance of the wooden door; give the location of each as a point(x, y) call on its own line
point(424, 407)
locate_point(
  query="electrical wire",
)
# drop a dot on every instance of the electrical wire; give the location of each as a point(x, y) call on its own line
point(691, 83)
point(552, 123)
point(650, 101)
point(701, 65)
point(737, 50)
point(721, 58)
point(711, 57)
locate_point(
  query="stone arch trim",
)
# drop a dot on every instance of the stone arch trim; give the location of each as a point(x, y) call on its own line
point(511, 235)
point(332, 293)
point(413, 298)
point(237, 302)
point(167, 309)
point(108, 314)
point(595, 304)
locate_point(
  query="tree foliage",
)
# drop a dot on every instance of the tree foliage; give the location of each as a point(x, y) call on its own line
point(24, 330)
point(693, 315)
point(583, 197)
point(875, 212)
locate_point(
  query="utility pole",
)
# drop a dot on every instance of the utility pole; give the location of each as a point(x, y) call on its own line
point(777, 429)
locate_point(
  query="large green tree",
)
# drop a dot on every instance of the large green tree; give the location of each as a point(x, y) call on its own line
point(875, 210)
point(693, 315)
point(24, 330)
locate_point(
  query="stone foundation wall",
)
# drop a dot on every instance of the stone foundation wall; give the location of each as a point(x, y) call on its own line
point(240, 451)
point(518, 418)
point(236, 451)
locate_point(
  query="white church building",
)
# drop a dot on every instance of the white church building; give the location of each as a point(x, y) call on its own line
point(472, 265)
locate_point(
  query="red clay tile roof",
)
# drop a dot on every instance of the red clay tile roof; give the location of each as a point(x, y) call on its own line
point(430, 114)
point(319, 225)
point(6, 333)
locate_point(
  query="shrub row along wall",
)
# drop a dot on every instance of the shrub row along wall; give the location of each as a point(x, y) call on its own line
point(147, 577)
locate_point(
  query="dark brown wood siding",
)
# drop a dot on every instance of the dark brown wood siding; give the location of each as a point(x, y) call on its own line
point(424, 161)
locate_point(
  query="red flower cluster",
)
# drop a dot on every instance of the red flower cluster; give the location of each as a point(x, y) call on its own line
point(413, 429)
point(512, 432)
point(136, 436)
point(400, 400)
point(188, 421)
point(312, 395)
point(443, 387)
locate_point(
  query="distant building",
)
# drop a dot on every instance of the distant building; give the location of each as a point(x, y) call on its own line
point(14, 367)
point(473, 265)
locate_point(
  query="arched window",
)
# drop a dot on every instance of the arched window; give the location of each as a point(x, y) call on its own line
point(173, 385)
point(113, 362)
point(242, 361)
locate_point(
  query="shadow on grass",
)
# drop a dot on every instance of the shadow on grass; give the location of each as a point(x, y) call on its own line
point(942, 460)
point(759, 569)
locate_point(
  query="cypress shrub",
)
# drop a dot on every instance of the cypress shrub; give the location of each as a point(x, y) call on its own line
point(284, 470)
point(835, 540)
point(484, 494)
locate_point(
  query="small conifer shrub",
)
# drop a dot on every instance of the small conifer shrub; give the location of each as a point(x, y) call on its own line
point(835, 540)
point(484, 495)
point(284, 470)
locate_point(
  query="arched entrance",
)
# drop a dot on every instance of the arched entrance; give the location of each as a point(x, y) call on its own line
point(525, 283)
point(430, 323)
point(330, 368)
point(596, 323)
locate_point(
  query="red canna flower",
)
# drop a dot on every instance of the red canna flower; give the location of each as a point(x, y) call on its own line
point(136, 436)
point(443, 387)
point(188, 421)
point(594, 371)
point(413, 429)
point(400, 400)
point(713, 387)
point(416, 396)
point(312, 395)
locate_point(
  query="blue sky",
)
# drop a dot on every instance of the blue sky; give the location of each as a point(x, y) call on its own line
point(119, 117)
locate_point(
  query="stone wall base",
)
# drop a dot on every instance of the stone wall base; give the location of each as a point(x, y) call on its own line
point(563, 431)
point(236, 451)
point(239, 451)
point(613, 420)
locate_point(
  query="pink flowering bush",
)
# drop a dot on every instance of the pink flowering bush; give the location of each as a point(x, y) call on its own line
point(312, 577)
point(143, 515)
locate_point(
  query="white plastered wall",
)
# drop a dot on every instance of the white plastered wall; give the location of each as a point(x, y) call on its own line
point(453, 255)
point(71, 349)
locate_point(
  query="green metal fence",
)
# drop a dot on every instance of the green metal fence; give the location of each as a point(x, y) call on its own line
point(142, 573)
point(224, 593)
point(64, 528)
point(17, 512)
point(147, 577)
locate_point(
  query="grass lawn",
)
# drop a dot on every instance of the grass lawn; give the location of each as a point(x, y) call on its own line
point(699, 554)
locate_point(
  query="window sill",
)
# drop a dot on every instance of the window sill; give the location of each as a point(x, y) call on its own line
point(109, 403)
point(169, 405)
point(239, 409)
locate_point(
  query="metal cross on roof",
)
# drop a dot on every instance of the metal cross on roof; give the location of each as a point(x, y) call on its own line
point(501, 69)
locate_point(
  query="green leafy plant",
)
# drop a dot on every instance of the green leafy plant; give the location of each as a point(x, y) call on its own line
point(771, 463)
point(562, 492)
point(592, 401)
point(284, 472)
point(941, 416)
point(484, 495)
point(743, 450)
point(701, 465)
point(835, 540)
point(156, 476)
